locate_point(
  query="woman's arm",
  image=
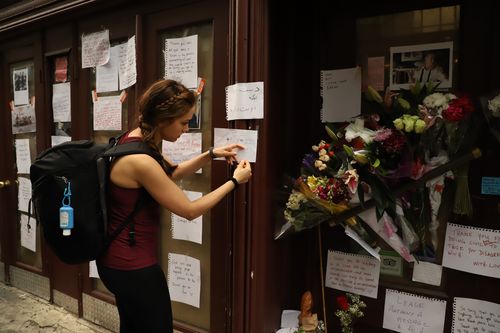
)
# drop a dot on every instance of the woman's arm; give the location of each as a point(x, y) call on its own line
point(143, 170)
point(189, 167)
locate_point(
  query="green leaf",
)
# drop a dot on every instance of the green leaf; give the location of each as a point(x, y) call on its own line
point(348, 151)
point(376, 164)
point(403, 103)
point(331, 134)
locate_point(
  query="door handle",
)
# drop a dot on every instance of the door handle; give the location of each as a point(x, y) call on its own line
point(5, 183)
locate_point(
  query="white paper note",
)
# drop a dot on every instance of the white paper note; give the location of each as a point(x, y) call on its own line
point(61, 102)
point(408, 313)
point(184, 279)
point(427, 272)
point(471, 249)
point(185, 148)
point(108, 113)
point(23, 194)
point(181, 60)
point(23, 155)
point(473, 315)
point(353, 273)
point(20, 84)
point(128, 69)
point(95, 49)
point(245, 101)
point(189, 230)
point(351, 233)
point(247, 138)
point(290, 318)
point(341, 93)
point(23, 119)
point(93, 273)
point(28, 233)
point(58, 139)
point(106, 76)
point(370, 217)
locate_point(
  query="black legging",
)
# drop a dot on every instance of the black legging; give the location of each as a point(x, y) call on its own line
point(142, 299)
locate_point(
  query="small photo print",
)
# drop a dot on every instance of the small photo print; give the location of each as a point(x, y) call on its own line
point(421, 63)
point(20, 85)
point(23, 119)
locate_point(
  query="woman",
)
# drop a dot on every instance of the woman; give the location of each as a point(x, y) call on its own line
point(131, 271)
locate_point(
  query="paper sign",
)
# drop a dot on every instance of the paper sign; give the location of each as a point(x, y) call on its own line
point(341, 93)
point(106, 76)
point(473, 315)
point(290, 318)
point(351, 233)
point(247, 138)
point(394, 241)
point(23, 194)
point(93, 273)
point(181, 60)
point(375, 73)
point(61, 102)
point(28, 233)
point(20, 83)
point(187, 146)
point(23, 119)
point(245, 101)
point(427, 272)
point(95, 49)
point(108, 113)
point(471, 249)
point(490, 185)
point(408, 313)
point(128, 69)
point(61, 69)
point(23, 155)
point(184, 279)
point(58, 139)
point(352, 273)
point(190, 230)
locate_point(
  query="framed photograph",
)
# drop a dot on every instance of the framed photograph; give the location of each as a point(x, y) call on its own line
point(421, 63)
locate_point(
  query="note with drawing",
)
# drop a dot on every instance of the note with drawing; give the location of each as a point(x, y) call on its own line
point(245, 101)
point(247, 138)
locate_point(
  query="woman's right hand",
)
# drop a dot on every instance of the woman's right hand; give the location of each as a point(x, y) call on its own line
point(243, 172)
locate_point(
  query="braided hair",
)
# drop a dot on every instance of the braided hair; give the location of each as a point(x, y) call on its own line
point(164, 101)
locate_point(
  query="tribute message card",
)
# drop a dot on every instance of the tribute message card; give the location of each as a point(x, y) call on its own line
point(473, 315)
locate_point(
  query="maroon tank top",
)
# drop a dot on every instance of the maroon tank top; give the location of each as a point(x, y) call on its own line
point(121, 202)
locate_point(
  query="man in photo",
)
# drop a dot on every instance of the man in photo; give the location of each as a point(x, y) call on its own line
point(430, 71)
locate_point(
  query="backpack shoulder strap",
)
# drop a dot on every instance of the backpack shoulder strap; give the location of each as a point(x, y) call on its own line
point(135, 147)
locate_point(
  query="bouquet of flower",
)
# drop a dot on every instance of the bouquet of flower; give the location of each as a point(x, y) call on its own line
point(350, 310)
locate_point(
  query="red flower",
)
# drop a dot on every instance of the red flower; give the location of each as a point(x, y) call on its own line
point(458, 109)
point(343, 303)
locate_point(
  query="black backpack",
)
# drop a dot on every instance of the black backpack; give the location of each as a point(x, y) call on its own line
point(85, 165)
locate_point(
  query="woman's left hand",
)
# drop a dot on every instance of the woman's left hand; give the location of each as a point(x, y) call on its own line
point(228, 152)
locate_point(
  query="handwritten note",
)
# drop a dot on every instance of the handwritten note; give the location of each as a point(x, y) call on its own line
point(58, 139)
point(184, 279)
point(181, 60)
point(473, 315)
point(473, 250)
point(95, 49)
point(106, 76)
point(427, 272)
point(23, 155)
point(375, 73)
point(185, 148)
point(247, 138)
point(61, 102)
point(128, 69)
point(23, 194)
point(370, 217)
point(341, 93)
point(189, 230)
point(408, 313)
point(20, 85)
point(108, 113)
point(28, 232)
point(245, 101)
point(352, 273)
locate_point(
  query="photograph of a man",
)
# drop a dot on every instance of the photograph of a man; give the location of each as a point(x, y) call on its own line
point(421, 63)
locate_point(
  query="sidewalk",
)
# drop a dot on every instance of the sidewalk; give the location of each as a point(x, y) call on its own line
point(23, 312)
